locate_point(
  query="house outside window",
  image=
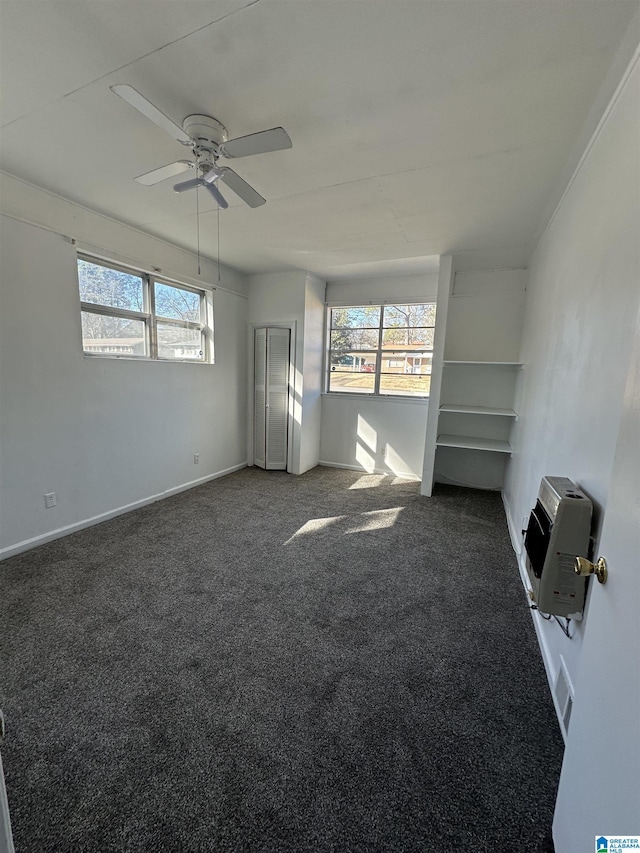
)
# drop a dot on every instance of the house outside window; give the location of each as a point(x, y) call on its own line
point(130, 314)
point(381, 350)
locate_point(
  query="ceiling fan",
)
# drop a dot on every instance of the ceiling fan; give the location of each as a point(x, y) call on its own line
point(207, 139)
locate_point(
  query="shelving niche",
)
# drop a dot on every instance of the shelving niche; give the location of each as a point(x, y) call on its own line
point(480, 372)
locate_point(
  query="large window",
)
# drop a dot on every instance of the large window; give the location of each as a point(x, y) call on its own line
point(384, 350)
point(129, 314)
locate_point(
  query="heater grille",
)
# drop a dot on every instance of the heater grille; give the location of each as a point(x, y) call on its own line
point(564, 696)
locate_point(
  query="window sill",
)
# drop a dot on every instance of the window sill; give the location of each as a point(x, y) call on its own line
point(382, 398)
point(141, 359)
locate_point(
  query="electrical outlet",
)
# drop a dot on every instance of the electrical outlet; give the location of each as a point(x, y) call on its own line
point(196, 458)
point(50, 500)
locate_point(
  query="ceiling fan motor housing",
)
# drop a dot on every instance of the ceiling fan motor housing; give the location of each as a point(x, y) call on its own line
point(206, 132)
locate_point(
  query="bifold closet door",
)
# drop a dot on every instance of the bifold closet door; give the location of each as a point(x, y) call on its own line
point(271, 398)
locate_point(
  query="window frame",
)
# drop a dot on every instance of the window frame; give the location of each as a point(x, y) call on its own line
point(148, 315)
point(378, 354)
point(156, 319)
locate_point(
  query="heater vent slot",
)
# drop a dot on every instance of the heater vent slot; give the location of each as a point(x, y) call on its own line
point(564, 696)
point(567, 713)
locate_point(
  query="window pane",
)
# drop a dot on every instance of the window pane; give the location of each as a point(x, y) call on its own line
point(368, 316)
point(409, 315)
point(405, 386)
point(409, 362)
point(352, 372)
point(113, 335)
point(354, 339)
point(353, 362)
point(176, 303)
point(104, 286)
point(354, 383)
point(418, 338)
point(179, 343)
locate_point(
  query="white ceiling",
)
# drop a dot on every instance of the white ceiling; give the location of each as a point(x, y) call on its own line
point(418, 128)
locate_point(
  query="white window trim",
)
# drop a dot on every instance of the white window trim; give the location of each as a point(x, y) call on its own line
point(375, 394)
point(149, 317)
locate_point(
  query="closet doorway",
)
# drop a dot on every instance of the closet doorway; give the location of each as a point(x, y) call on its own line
point(271, 362)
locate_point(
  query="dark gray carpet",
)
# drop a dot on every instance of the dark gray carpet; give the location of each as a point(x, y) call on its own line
point(221, 671)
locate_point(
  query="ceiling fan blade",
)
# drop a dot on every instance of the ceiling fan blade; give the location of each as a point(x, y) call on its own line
point(215, 192)
point(140, 103)
point(275, 139)
point(188, 185)
point(242, 189)
point(164, 172)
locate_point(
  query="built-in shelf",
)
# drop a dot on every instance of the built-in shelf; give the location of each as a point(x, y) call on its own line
point(478, 410)
point(476, 384)
point(474, 443)
point(494, 363)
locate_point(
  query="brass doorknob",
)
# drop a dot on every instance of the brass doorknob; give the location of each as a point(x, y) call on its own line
point(586, 567)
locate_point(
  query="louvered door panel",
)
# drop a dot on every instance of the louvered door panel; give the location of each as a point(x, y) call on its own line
point(260, 398)
point(277, 397)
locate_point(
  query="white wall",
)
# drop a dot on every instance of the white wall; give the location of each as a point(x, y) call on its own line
point(276, 297)
point(605, 723)
point(313, 357)
point(373, 433)
point(383, 289)
point(104, 434)
point(486, 311)
point(583, 295)
point(444, 288)
point(96, 232)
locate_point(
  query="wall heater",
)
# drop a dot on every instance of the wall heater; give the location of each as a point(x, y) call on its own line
point(557, 533)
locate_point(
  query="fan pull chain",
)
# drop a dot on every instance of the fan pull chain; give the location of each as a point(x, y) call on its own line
point(198, 223)
point(218, 243)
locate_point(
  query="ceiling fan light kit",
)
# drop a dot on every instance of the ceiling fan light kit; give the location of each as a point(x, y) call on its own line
point(213, 174)
point(200, 182)
point(183, 186)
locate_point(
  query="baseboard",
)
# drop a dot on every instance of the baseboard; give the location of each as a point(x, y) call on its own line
point(516, 542)
point(406, 475)
point(514, 533)
point(43, 538)
point(6, 839)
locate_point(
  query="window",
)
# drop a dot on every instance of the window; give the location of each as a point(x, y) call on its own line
point(129, 314)
point(384, 350)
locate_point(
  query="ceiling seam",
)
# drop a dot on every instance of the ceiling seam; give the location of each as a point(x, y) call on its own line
point(442, 164)
point(133, 61)
point(392, 210)
point(162, 47)
point(107, 216)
